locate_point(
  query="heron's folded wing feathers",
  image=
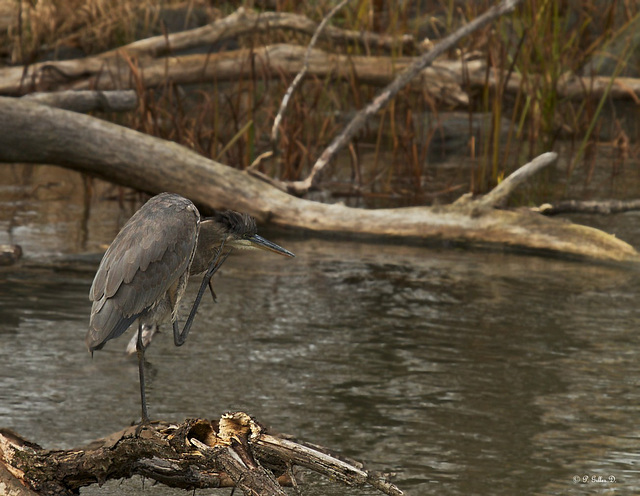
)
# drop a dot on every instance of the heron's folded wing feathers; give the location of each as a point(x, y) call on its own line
point(148, 255)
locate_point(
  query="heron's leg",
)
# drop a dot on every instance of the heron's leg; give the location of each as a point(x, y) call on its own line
point(179, 338)
point(213, 293)
point(140, 353)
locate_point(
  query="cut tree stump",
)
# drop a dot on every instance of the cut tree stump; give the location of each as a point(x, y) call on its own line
point(235, 451)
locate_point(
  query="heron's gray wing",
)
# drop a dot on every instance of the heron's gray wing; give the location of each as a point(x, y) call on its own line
point(146, 258)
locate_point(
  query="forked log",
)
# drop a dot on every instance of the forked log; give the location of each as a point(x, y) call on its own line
point(235, 451)
point(38, 134)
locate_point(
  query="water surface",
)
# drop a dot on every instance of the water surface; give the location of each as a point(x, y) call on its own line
point(463, 372)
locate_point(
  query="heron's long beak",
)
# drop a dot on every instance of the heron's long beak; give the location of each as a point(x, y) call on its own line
point(264, 244)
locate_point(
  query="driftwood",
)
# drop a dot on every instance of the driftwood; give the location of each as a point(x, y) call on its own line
point(235, 451)
point(444, 81)
point(604, 207)
point(245, 22)
point(271, 61)
point(38, 134)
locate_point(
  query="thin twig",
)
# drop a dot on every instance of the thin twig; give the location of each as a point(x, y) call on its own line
point(299, 77)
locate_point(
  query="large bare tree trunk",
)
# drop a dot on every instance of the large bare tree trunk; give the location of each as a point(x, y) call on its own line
point(34, 133)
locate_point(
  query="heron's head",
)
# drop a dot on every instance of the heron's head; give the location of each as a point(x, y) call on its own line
point(239, 231)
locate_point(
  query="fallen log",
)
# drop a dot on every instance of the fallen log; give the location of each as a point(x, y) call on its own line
point(271, 61)
point(155, 65)
point(245, 22)
point(38, 134)
point(235, 451)
point(443, 81)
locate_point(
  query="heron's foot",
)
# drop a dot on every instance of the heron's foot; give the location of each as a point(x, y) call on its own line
point(144, 424)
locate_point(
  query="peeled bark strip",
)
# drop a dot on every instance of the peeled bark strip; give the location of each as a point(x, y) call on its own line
point(38, 134)
point(195, 454)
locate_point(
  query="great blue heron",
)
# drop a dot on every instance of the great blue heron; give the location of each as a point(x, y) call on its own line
point(145, 270)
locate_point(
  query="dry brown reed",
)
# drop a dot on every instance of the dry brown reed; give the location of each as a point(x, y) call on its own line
point(544, 42)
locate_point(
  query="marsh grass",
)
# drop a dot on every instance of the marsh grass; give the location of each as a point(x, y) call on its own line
point(543, 42)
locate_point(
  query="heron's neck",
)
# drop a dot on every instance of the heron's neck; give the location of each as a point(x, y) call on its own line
point(209, 239)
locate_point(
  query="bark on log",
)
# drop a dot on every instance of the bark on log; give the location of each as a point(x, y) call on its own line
point(37, 134)
point(234, 451)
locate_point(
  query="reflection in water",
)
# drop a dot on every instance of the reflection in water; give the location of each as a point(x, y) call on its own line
point(465, 373)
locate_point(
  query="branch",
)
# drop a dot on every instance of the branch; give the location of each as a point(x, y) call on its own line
point(195, 454)
point(38, 134)
point(501, 192)
point(603, 207)
point(317, 459)
point(248, 22)
point(94, 73)
point(20, 80)
point(360, 119)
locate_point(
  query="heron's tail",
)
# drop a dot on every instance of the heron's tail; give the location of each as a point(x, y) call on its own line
point(105, 325)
